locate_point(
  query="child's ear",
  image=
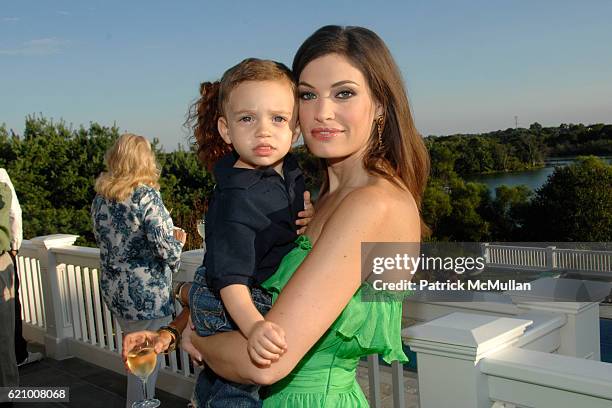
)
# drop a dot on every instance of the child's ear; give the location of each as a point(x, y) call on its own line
point(224, 130)
point(296, 133)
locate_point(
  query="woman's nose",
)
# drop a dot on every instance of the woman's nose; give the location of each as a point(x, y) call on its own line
point(324, 110)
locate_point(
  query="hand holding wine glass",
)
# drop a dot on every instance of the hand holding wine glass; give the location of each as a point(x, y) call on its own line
point(141, 360)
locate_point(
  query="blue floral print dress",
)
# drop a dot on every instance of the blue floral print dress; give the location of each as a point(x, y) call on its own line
point(138, 254)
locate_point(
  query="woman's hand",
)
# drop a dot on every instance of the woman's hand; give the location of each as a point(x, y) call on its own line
point(306, 215)
point(161, 340)
point(188, 346)
point(266, 343)
point(179, 234)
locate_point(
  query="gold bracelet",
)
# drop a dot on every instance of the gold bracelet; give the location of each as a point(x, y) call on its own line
point(176, 337)
point(177, 294)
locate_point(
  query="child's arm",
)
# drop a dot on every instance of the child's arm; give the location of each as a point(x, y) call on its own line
point(237, 301)
point(266, 340)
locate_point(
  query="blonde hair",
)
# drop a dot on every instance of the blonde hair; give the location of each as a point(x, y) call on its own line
point(130, 162)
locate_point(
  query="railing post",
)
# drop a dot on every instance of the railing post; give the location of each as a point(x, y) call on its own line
point(486, 254)
point(399, 399)
point(579, 301)
point(551, 259)
point(53, 280)
point(374, 379)
point(448, 352)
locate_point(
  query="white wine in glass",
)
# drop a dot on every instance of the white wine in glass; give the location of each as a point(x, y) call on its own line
point(141, 361)
point(202, 231)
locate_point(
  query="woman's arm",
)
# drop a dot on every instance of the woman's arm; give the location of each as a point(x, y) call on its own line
point(321, 287)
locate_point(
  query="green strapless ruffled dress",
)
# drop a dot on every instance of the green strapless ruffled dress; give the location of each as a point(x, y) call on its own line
point(326, 376)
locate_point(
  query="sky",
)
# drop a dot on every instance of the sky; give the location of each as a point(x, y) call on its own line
point(468, 66)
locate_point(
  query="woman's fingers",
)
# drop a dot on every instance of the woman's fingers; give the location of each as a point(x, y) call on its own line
point(307, 201)
point(129, 341)
point(179, 234)
point(162, 341)
point(306, 215)
point(188, 346)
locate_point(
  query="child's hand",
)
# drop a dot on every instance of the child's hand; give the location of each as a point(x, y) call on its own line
point(306, 215)
point(266, 343)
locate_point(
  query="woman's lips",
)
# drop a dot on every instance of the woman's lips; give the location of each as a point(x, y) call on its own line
point(325, 133)
point(263, 150)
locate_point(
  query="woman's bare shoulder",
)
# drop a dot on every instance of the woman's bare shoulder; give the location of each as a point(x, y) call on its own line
point(383, 195)
point(384, 209)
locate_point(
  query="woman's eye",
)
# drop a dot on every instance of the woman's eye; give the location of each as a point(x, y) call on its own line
point(279, 119)
point(345, 94)
point(307, 96)
point(246, 119)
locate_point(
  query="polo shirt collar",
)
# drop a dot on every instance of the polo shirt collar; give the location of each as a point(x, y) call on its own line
point(228, 176)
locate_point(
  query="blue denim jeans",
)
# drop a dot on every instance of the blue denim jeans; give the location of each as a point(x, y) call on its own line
point(210, 317)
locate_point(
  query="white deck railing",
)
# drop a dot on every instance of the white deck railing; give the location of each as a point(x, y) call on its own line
point(62, 308)
point(517, 350)
point(57, 276)
point(600, 261)
point(547, 258)
point(30, 292)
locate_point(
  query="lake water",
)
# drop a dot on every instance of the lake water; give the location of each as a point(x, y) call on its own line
point(533, 179)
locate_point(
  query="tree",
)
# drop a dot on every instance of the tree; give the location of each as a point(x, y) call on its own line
point(535, 127)
point(463, 222)
point(54, 175)
point(574, 205)
point(507, 212)
point(436, 205)
point(54, 167)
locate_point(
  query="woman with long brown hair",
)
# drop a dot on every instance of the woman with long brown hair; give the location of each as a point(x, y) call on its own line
point(354, 114)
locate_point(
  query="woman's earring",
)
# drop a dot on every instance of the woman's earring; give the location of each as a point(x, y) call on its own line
point(380, 125)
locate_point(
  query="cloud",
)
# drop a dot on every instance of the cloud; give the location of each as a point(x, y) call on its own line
point(10, 19)
point(63, 13)
point(42, 46)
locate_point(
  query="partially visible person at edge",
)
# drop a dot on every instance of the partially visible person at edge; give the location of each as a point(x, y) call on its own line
point(244, 125)
point(9, 374)
point(354, 114)
point(16, 226)
point(139, 247)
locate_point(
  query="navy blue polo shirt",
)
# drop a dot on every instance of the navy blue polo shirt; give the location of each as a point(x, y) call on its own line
point(250, 223)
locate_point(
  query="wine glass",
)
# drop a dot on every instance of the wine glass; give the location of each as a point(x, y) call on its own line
point(201, 226)
point(142, 360)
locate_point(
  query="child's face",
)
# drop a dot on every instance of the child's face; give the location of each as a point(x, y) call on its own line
point(260, 122)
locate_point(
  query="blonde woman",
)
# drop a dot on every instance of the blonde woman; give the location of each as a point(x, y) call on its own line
point(139, 247)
